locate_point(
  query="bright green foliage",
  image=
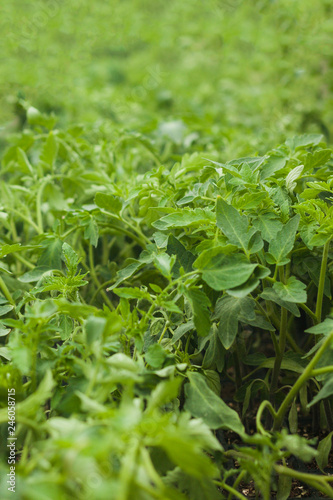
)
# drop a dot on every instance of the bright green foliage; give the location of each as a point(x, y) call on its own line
point(122, 311)
point(165, 274)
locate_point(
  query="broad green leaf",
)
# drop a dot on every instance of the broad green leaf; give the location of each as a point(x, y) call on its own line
point(185, 218)
point(8, 249)
point(292, 291)
point(51, 255)
point(326, 327)
point(270, 294)
point(6, 309)
point(227, 271)
point(268, 225)
point(165, 263)
point(185, 258)
point(229, 311)
point(94, 329)
point(272, 165)
point(109, 202)
point(233, 225)
point(34, 274)
point(199, 304)
point(281, 246)
point(304, 141)
point(203, 403)
point(155, 356)
point(317, 158)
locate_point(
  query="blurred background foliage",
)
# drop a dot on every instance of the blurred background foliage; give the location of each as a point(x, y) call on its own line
point(231, 75)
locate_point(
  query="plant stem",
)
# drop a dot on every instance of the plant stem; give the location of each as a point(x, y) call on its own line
point(6, 292)
point(309, 313)
point(321, 285)
point(225, 486)
point(279, 355)
point(313, 480)
point(95, 279)
point(299, 382)
point(39, 204)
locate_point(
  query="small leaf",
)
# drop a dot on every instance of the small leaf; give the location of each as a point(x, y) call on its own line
point(111, 203)
point(324, 448)
point(281, 246)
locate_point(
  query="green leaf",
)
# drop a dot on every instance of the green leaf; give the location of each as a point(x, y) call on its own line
point(155, 356)
point(233, 225)
point(49, 150)
point(125, 273)
point(91, 232)
point(51, 256)
point(71, 258)
point(203, 403)
point(131, 293)
point(23, 161)
point(111, 203)
point(270, 294)
point(293, 291)
point(8, 249)
point(293, 418)
point(34, 275)
point(284, 487)
point(185, 218)
point(94, 329)
point(269, 225)
point(226, 271)
point(6, 309)
point(324, 448)
point(229, 311)
point(326, 327)
point(199, 304)
point(185, 258)
point(325, 392)
point(281, 246)
point(304, 141)
point(272, 165)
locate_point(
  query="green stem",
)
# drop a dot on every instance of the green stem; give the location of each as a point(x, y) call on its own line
point(317, 482)
point(236, 483)
point(231, 490)
point(299, 382)
point(6, 292)
point(322, 371)
point(23, 260)
point(95, 279)
point(321, 285)
point(280, 354)
point(39, 205)
point(309, 313)
point(260, 411)
point(24, 217)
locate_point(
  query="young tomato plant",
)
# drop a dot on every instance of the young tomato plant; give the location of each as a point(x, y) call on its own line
point(131, 302)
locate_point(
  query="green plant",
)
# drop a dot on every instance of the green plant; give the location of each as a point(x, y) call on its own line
point(129, 299)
